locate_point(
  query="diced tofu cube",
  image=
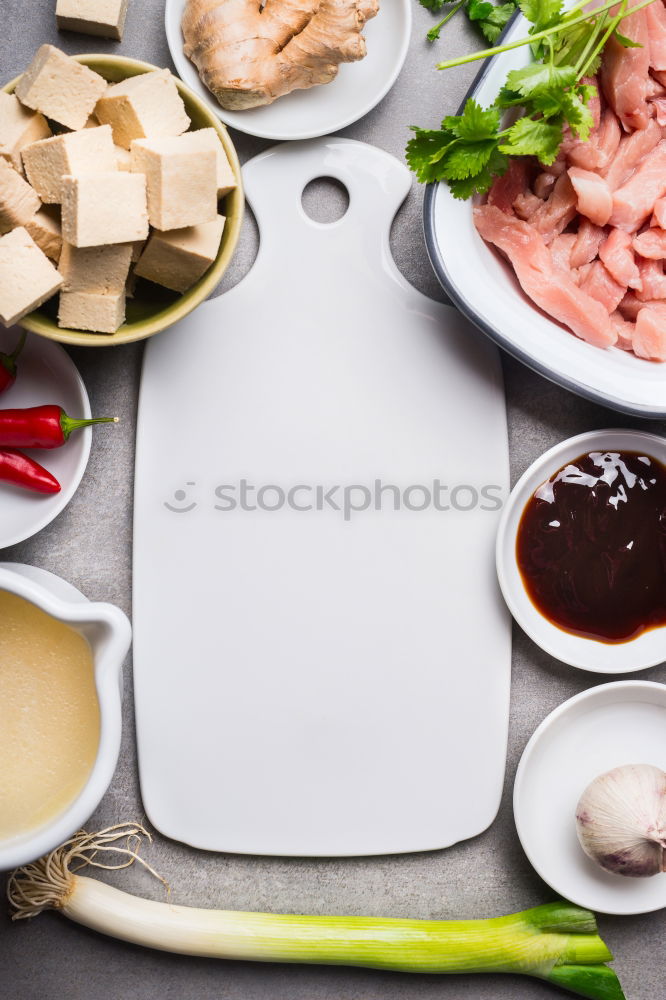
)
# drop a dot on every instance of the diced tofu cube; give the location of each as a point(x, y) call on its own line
point(86, 152)
point(27, 276)
point(137, 250)
point(18, 128)
point(105, 18)
point(143, 107)
point(181, 180)
point(123, 159)
point(207, 138)
point(130, 287)
point(18, 201)
point(60, 87)
point(179, 258)
point(104, 208)
point(100, 269)
point(45, 231)
point(92, 311)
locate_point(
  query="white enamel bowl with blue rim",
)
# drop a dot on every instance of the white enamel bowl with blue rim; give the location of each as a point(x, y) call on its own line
point(484, 287)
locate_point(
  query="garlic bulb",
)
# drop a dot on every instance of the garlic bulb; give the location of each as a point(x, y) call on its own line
point(621, 820)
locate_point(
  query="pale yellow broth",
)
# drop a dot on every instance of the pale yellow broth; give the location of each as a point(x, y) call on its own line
point(49, 716)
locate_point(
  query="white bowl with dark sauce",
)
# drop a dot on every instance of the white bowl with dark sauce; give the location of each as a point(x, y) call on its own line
point(581, 551)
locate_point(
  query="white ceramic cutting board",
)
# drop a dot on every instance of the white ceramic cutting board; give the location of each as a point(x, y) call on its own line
point(309, 683)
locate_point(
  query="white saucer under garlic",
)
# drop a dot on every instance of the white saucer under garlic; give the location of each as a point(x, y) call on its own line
point(621, 820)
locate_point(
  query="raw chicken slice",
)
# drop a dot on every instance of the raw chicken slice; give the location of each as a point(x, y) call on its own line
point(654, 88)
point(630, 306)
point(624, 72)
point(617, 254)
point(651, 244)
point(625, 331)
point(600, 284)
point(655, 16)
point(653, 280)
point(633, 202)
point(557, 167)
point(601, 146)
point(630, 152)
point(580, 274)
point(649, 340)
point(657, 108)
point(526, 205)
point(659, 213)
point(548, 288)
point(593, 196)
point(607, 138)
point(554, 215)
point(560, 251)
point(588, 240)
point(544, 184)
point(515, 181)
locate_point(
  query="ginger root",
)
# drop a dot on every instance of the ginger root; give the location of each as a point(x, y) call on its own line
point(250, 52)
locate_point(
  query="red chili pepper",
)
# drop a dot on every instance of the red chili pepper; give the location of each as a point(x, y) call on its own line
point(8, 365)
point(41, 427)
point(17, 468)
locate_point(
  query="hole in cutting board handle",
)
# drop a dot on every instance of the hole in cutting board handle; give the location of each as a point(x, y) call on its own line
point(325, 200)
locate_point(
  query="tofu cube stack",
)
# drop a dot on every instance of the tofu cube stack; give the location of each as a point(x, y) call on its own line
point(121, 191)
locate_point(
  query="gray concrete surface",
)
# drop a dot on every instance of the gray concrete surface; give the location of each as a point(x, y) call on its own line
point(91, 543)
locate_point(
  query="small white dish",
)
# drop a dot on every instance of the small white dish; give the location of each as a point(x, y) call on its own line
point(109, 633)
point(484, 287)
point(321, 110)
point(46, 374)
point(607, 726)
point(648, 649)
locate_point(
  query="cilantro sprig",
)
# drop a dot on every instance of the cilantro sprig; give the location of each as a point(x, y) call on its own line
point(470, 149)
point(490, 18)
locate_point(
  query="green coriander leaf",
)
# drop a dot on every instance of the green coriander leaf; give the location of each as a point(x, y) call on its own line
point(496, 21)
point(433, 5)
point(465, 188)
point(465, 160)
point(477, 10)
point(547, 105)
point(593, 67)
point(425, 151)
point(508, 98)
point(542, 13)
point(628, 43)
point(533, 138)
point(538, 78)
point(475, 123)
point(577, 113)
point(571, 44)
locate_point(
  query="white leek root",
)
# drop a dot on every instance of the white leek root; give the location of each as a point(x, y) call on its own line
point(249, 53)
point(557, 942)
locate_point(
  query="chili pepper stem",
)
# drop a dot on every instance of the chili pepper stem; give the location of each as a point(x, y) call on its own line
point(69, 424)
point(19, 347)
point(9, 359)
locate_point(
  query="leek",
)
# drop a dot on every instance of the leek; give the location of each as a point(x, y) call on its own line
point(557, 942)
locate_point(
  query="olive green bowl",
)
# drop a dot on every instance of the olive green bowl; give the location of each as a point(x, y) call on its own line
point(152, 308)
